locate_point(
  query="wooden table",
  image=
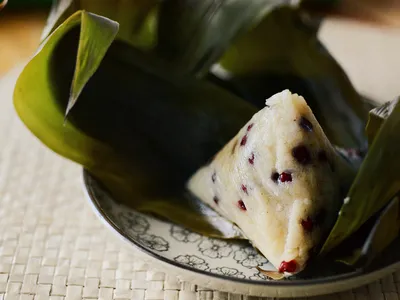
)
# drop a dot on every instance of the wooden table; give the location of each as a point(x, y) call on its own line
point(19, 36)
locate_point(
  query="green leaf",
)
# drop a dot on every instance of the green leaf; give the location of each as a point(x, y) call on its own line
point(91, 50)
point(376, 183)
point(139, 127)
point(283, 51)
point(194, 34)
point(384, 230)
point(137, 18)
point(34, 94)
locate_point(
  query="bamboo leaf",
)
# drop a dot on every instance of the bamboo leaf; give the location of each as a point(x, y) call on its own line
point(138, 127)
point(33, 99)
point(91, 50)
point(137, 18)
point(377, 182)
point(193, 34)
point(373, 238)
point(367, 243)
point(281, 52)
point(190, 34)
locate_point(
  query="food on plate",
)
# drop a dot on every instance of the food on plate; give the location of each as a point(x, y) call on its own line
point(147, 112)
point(278, 180)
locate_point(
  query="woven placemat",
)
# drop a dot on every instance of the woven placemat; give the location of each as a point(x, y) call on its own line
point(53, 247)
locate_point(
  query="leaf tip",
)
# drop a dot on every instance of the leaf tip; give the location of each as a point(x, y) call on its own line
point(70, 105)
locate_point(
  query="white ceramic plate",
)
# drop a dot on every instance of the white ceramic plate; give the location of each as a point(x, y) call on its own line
point(218, 264)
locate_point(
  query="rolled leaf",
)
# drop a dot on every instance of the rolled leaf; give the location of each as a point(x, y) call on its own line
point(137, 126)
point(284, 52)
point(194, 34)
point(34, 94)
point(377, 182)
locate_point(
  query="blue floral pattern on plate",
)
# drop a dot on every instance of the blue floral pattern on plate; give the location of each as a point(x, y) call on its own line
point(180, 245)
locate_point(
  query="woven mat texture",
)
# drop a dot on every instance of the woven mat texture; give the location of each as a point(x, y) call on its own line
point(53, 247)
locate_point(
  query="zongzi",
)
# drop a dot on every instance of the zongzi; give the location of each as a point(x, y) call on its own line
point(278, 180)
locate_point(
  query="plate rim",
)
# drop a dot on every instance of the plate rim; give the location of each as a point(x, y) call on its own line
point(303, 283)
